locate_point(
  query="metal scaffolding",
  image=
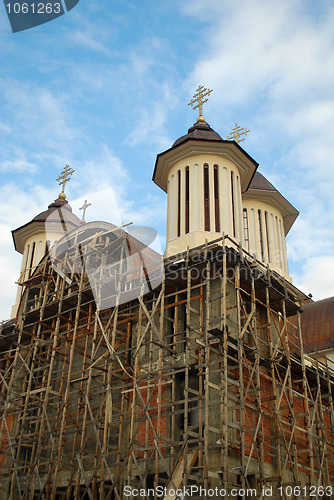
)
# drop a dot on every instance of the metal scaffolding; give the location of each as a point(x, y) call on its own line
point(202, 381)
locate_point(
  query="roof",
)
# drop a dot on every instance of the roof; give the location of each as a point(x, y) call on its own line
point(59, 209)
point(260, 182)
point(199, 131)
point(138, 249)
point(58, 213)
point(130, 267)
point(317, 324)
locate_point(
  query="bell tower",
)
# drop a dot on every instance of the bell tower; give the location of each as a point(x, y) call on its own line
point(204, 177)
point(34, 239)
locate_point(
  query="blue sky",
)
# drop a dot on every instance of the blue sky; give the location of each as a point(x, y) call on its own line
point(106, 86)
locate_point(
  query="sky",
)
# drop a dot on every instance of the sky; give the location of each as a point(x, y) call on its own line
point(105, 88)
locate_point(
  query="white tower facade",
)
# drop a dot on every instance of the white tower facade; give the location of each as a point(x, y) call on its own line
point(34, 239)
point(204, 177)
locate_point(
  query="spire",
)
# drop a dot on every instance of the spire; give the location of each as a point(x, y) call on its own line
point(63, 178)
point(198, 98)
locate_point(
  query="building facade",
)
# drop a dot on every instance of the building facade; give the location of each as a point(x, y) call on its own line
point(123, 378)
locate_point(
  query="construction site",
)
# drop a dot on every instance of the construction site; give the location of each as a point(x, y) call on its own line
point(119, 378)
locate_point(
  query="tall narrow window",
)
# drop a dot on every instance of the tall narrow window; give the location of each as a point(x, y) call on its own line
point(25, 267)
point(246, 230)
point(206, 199)
point(233, 203)
point(279, 245)
point(47, 246)
point(283, 247)
point(261, 234)
point(187, 199)
point(26, 258)
point(216, 189)
point(267, 235)
point(179, 202)
point(32, 258)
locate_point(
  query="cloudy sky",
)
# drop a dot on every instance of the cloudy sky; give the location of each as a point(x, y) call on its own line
point(106, 86)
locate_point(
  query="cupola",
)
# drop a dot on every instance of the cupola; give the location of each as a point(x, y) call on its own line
point(35, 238)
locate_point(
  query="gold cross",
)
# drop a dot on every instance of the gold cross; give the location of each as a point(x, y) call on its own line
point(63, 178)
point(84, 208)
point(198, 98)
point(236, 132)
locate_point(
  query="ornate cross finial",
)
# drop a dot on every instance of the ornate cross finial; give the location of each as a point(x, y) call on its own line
point(198, 100)
point(84, 208)
point(236, 132)
point(63, 178)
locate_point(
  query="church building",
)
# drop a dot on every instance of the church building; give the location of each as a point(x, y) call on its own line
point(203, 373)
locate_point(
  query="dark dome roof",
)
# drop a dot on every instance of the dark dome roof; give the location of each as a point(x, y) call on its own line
point(260, 182)
point(59, 209)
point(200, 131)
point(317, 322)
point(58, 214)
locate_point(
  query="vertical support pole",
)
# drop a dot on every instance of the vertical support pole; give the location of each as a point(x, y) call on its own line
point(224, 377)
point(207, 372)
point(276, 448)
point(241, 380)
point(306, 404)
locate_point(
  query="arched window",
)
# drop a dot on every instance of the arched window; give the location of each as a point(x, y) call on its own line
point(179, 202)
point(25, 265)
point(233, 204)
point(267, 235)
point(32, 258)
point(206, 198)
point(283, 247)
point(216, 190)
point(26, 257)
point(47, 246)
point(261, 234)
point(187, 199)
point(279, 244)
point(246, 230)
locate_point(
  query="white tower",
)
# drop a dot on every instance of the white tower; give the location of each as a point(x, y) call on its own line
point(213, 188)
point(34, 239)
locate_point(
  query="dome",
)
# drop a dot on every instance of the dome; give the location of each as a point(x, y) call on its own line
point(56, 212)
point(199, 131)
point(317, 324)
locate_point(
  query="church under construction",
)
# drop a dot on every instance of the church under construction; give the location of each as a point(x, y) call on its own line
point(127, 375)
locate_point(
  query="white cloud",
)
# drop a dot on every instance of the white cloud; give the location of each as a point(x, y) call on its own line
point(317, 277)
point(20, 164)
point(149, 126)
point(5, 128)
point(17, 206)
